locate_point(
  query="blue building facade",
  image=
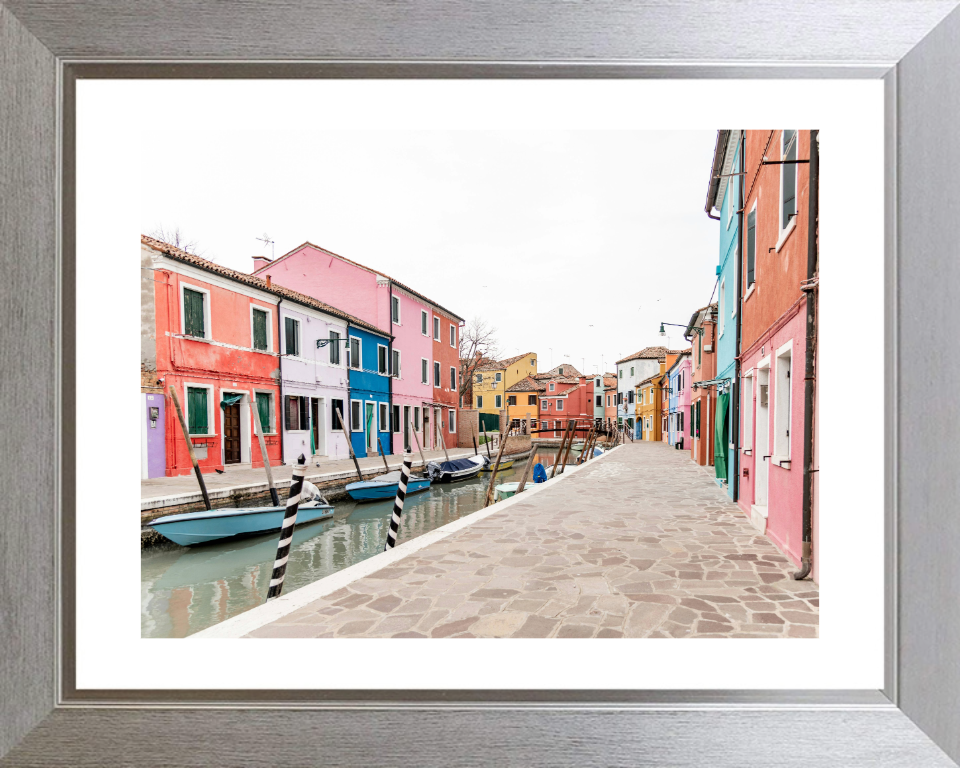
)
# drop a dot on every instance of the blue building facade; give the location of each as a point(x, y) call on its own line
point(673, 375)
point(367, 362)
point(725, 198)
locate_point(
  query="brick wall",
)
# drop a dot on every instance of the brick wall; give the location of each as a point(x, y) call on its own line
point(468, 426)
point(148, 380)
point(517, 444)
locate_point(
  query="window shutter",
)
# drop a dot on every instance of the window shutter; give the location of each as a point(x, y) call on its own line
point(334, 348)
point(396, 363)
point(197, 407)
point(259, 329)
point(355, 361)
point(290, 331)
point(263, 408)
point(304, 413)
point(288, 412)
point(751, 245)
point(193, 313)
point(788, 176)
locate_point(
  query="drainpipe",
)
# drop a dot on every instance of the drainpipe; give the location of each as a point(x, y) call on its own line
point(735, 430)
point(810, 288)
point(282, 416)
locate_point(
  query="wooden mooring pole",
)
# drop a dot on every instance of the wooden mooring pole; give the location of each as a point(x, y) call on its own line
point(526, 470)
point(382, 454)
point(496, 466)
point(193, 457)
point(423, 460)
point(563, 442)
point(274, 497)
point(346, 434)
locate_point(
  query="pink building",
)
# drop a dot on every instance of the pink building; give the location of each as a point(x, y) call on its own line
point(397, 310)
point(681, 378)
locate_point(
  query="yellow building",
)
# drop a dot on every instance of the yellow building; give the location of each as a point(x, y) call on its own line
point(492, 380)
point(648, 397)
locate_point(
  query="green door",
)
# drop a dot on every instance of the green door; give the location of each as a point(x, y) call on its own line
point(370, 430)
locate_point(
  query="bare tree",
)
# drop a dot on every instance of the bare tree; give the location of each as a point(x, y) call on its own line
point(175, 238)
point(478, 345)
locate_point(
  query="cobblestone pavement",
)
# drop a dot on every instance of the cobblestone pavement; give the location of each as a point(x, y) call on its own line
point(641, 543)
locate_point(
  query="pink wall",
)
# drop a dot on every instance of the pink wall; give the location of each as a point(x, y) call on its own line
point(785, 483)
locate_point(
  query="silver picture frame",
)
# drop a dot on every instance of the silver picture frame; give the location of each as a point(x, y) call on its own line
point(912, 45)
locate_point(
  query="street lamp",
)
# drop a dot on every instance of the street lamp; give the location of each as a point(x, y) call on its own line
point(696, 329)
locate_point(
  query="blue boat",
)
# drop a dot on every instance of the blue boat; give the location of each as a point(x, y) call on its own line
point(216, 524)
point(385, 487)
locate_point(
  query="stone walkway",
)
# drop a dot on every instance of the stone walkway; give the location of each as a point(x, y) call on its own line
point(642, 543)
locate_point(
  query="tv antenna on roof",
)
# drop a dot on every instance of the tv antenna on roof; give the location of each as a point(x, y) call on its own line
point(267, 241)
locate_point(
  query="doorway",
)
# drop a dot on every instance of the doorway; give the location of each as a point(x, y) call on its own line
point(231, 434)
point(315, 414)
point(763, 437)
point(369, 426)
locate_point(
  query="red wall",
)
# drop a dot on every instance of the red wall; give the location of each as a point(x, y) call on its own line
point(182, 360)
point(578, 405)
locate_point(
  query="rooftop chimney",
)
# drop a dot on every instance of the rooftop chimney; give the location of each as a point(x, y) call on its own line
point(269, 283)
point(259, 262)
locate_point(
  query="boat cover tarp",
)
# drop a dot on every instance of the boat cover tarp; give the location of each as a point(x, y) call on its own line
point(539, 474)
point(230, 400)
point(437, 468)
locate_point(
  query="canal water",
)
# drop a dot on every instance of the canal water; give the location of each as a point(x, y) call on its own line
point(184, 590)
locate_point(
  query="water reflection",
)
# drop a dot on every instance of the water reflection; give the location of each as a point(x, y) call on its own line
point(186, 590)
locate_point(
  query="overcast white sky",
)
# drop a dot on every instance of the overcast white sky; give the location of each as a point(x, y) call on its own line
point(542, 233)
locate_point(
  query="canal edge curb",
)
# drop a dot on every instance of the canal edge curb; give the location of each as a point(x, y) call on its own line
point(266, 613)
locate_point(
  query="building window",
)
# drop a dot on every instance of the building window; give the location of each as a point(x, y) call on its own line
point(381, 359)
point(436, 374)
point(781, 415)
point(599, 401)
point(396, 363)
point(197, 411)
point(297, 412)
point(291, 334)
point(630, 397)
point(751, 246)
point(533, 361)
point(453, 379)
point(395, 309)
point(559, 404)
point(747, 438)
point(596, 384)
point(453, 336)
point(260, 329)
point(423, 322)
point(498, 401)
point(355, 360)
point(788, 178)
point(384, 426)
point(334, 348)
point(560, 370)
point(194, 313)
point(552, 386)
point(619, 398)
point(608, 401)
point(498, 377)
point(620, 372)
point(265, 411)
point(544, 405)
point(396, 418)
point(424, 371)
point(337, 412)
point(356, 419)
point(479, 378)
point(479, 401)
point(453, 421)
point(631, 370)
point(531, 399)
point(511, 399)
point(436, 329)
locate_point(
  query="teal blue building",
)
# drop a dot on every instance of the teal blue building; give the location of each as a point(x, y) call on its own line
point(369, 385)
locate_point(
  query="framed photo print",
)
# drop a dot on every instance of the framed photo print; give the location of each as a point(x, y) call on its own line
point(515, 387)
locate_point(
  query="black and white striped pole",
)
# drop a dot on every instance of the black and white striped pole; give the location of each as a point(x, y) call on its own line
point(286, 530)
point(398, 503)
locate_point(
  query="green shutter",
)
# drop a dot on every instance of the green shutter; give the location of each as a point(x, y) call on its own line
point(720, 443)
point(334, 348)
point(259, 329)
point(197, 411)
point(290, 331)
point(263, 408)
point(193, 313)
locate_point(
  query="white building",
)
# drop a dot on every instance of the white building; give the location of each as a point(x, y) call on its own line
point(631, 370)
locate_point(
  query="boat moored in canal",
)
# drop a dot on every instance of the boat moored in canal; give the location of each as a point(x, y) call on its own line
point(194, 528)
point(456, 470)
point(385, 487)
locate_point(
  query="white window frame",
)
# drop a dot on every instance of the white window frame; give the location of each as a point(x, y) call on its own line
point(424, 371)
point(785, 230)
point(498, 377)
point(559, 405)
point(544, 405)
point(283, 338)
point(756, 252)
point(608, 402)
point(553, 387)
point(383, 417)
point(436, 374)
point(386, 350)
point(783, 403)
point(353, 422)
point(452, 417)
point(498, 401)
point(620, 371)
point(453, 336)
point(269, 349)
point(722, 304)
point(207, 324)
point(395, 298)
point(416, 418)
point(350, 353)
point(396, 373)
point(271, 428)
point(453, 378)
point(436, 328)
point(211, 411)
point(424, 323)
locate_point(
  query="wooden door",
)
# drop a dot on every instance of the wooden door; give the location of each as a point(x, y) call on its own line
point(231, 434)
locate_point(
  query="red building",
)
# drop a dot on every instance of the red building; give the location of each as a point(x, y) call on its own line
point(564, 397)
point(204, 323)
point(701, 333)
point(446, 363)
point(774, 246)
